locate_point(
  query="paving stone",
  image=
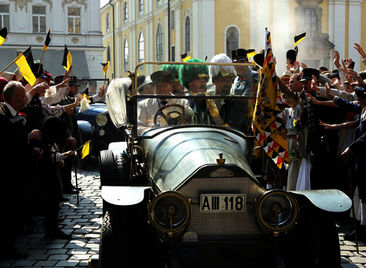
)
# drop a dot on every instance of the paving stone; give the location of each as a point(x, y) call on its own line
point(22, 263)
point(358, 260)
point(67, 263)
point(61, 257)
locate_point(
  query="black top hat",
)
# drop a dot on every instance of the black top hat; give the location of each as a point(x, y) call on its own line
point(307, 74)
point(291, 55)
point(74, 81)
point(360, 92)
point(239, 54)
point(335, 74)
point(35, 68)
point(58, 79)
point(162, 76)
point(259, 59)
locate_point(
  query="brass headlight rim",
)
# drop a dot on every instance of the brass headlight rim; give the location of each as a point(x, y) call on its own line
point(292, 199)
point(105, 118)
point(158, 225)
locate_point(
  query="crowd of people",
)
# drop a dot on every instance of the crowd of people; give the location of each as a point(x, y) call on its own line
point(38, 139)
point(324, 115)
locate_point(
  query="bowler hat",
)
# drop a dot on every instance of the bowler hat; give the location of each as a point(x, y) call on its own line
point(162, 76)
point(58, 79)
point(360, 92)
point(239, 54)
point(307, 74)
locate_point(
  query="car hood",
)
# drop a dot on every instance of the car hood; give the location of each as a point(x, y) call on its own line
point(94, 109)
point(175, 154)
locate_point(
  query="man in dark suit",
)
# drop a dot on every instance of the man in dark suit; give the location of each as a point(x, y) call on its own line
point(15, 153)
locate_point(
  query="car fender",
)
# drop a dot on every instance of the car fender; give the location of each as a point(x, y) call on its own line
point(86, 130)
point(116, 147)
point(124, 195)
point(331, 200)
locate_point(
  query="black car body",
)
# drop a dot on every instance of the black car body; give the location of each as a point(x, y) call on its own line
point(186, 196)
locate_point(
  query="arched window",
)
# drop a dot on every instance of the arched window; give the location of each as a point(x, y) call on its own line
point(125, 12)
point(232, 40)
point(159, 43)
point(141, 7)
point(107, 23)
point(141, 52)
point(125, 56)
point(187, 35)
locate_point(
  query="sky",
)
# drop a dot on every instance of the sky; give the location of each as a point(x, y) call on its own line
point(102, 2)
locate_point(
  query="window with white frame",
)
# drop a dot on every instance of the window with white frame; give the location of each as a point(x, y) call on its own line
point(39, 19)
point(141, 48)
point(159, 43)
point(232, 40)
point(73, 19)
point(125, 56)
point(172, 19)
point(4, 17)
point(107, 23)
point(187, 35)
point(125, 12)
point(108, 53)
point(141, 7)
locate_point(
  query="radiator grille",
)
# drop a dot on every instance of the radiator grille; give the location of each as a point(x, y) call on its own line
point(222, 224)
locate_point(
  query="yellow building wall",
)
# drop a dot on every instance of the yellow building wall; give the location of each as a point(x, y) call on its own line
point(325, 18)
point(363, 30)
point(107, 39)
point(239, 16)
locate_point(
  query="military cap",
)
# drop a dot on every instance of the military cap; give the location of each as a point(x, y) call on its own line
point(187, 73)
point(174, 69)
point(239, 54)
point(162, 76)
point(307, 74)
point(360, 92)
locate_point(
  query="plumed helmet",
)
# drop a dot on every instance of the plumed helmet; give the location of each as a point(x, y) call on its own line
point(187, 73)
point(171, 68)
point(222, 70)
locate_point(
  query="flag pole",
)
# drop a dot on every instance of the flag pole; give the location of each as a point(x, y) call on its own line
point(40, 62)
point(7, 66)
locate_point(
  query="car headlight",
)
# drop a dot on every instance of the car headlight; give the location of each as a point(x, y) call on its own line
point(101, 120)
point(277, 211)
point(170, 212)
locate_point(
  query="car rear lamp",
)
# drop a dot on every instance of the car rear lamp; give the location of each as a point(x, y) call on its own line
point(101, 120)
point(170, 212)
point(277, 211)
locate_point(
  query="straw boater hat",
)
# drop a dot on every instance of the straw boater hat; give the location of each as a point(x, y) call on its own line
point(187, 73)
point(217, 71)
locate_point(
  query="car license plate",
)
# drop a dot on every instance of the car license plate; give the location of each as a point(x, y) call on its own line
point(214, 203)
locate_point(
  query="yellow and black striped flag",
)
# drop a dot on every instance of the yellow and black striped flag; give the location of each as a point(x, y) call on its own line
point(67, 60)
point(47, 41)
point(185, 57)
point(105, 66)
point(3, 35)
point(299, 38)
point(86, 149)
point(25, 64)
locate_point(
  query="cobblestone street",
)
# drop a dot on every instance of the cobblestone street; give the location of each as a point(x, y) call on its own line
point(84, 221)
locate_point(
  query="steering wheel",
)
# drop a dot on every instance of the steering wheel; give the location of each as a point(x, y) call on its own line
point(171, 121)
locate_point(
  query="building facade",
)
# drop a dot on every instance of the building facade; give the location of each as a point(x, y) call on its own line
point(161, 30)
point(75, 23)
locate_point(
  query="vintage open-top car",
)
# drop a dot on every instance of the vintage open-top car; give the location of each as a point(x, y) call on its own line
point(179, 192)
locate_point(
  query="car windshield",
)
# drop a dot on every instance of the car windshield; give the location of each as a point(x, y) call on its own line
point(198, 94)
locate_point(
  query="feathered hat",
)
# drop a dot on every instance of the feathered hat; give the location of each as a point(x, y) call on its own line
point(171, 68)
point(187, 73)
point(216, 70)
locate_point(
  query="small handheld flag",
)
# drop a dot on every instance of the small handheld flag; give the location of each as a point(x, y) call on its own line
point(105, 66)
point(299, 38)
point(47, 41)
point(251, 53)
point(25, 64)
point(67, 60)
point(185, 57)
point(3, 35)
point(86, 149)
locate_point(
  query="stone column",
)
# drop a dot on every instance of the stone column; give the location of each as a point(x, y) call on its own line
point(178, 33)
point(259, 20)
point(337, 24)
